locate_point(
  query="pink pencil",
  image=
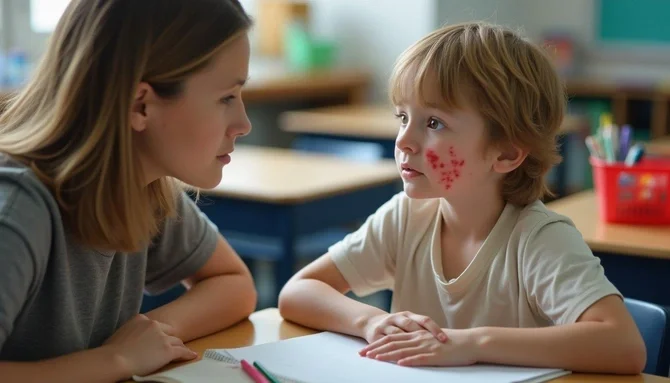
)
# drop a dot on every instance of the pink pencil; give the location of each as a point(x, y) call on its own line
point(253, 373)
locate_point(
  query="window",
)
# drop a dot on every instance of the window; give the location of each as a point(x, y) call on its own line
point(44, 14)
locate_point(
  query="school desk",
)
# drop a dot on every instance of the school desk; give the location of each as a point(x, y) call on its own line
point(374, 123)
point(636, 258)
point(286, 194)
point(659, 146)
point(269, 83)
point(267, 326)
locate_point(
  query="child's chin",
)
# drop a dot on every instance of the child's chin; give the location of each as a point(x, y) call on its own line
point(412, 191)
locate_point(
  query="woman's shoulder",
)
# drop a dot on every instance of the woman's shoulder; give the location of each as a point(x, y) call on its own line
point(27, 208)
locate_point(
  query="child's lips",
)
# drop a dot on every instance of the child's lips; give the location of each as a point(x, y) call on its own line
point(409, 172)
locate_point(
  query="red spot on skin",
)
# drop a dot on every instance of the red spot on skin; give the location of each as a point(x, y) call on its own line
point(452, 167)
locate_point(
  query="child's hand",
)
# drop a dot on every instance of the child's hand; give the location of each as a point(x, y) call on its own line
point(420, 348)
point(404, 322)
point(145, 345)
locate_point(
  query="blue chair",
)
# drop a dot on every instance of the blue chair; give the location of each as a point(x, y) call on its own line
point(652, 320)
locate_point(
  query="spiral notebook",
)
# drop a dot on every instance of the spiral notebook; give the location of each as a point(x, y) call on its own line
point(333, 358)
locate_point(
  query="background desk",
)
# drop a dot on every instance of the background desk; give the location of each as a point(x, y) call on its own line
point(284, 194)
point(376, 123)
point(268, 326)
point(280, 85)
point(636, 258)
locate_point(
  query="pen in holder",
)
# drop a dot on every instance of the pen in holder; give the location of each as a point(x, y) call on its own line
point(630, 188)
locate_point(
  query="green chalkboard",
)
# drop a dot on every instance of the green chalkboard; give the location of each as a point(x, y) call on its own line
point(642, 22)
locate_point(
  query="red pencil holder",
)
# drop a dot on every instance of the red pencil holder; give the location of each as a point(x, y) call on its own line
point(634, 195)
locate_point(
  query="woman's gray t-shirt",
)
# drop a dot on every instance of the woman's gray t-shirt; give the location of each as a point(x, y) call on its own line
point(56, 297)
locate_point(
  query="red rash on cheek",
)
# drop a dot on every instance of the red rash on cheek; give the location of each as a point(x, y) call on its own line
point(453, 166)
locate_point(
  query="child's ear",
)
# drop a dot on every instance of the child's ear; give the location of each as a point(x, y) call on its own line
point(509, 158)
point(138, 110)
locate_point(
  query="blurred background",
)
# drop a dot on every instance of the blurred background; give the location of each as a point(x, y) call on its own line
point(319, 70)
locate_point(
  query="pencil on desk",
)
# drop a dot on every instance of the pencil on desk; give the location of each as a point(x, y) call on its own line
point(253, 373)
point(265, 372)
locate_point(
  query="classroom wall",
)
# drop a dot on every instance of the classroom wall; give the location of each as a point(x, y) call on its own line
point(505, 12)
point(579, 18)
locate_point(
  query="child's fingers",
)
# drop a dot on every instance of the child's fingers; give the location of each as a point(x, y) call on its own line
point(430, 325)
point(406, 323)
point(426, 359)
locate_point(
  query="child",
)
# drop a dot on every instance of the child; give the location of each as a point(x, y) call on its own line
point(481, 271)
point(130, 95)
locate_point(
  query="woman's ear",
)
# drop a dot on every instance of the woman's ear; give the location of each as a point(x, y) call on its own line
point(138, 109)
point(509, 158)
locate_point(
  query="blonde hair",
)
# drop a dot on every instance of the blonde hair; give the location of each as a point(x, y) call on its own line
point(70, 123)
point(507, 79)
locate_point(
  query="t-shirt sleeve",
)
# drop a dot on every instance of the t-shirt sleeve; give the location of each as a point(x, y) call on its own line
point(25, 240)
point(366, 257)
point(184, 245)
point(562, 276)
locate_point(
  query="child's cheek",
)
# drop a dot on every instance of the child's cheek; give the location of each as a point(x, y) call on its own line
point(449, 169)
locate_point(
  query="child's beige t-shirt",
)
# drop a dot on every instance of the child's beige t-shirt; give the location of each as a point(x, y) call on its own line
point(533, 270)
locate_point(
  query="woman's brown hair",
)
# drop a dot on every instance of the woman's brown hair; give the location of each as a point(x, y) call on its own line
point(70, 123)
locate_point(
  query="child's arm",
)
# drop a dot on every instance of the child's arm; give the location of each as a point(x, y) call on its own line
point(222, 293)
point(604, 339)
point(314, 297)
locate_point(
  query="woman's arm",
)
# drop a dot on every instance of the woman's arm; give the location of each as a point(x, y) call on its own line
point(221, 294)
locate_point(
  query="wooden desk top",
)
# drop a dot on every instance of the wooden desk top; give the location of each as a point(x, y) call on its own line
point(659, 146)
point(368, 121)
point(267, 326)
point(277, 84)
point(286, 176)
point(646, 241)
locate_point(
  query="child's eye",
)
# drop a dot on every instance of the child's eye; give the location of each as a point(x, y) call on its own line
point(435, 124)
point(403, 118)
point(227, 100)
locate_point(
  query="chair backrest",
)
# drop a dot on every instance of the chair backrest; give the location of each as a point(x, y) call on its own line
point(354, 150)
point(652, 320)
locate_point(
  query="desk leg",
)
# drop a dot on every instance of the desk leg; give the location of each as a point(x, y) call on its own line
point(561, 169)
point(285, 266)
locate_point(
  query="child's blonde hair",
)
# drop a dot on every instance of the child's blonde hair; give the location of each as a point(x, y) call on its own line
point(71, 122)
point(507, 79)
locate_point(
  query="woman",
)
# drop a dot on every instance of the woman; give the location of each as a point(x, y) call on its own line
point(130, 97)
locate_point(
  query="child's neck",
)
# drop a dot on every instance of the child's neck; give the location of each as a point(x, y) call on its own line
point(473, 217)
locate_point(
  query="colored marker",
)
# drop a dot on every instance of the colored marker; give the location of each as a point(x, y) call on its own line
point(634, 155)
point(253, 373)
point(624, 142)
point(593, 147)
point(265, 372)
point(609, 144)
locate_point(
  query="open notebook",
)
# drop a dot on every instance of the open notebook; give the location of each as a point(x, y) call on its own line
point(329, 357)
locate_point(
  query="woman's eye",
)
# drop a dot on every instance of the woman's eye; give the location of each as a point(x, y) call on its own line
point(435, 124)
point(227, 100)
point(403, 118)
